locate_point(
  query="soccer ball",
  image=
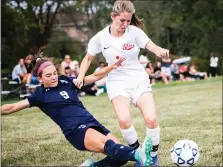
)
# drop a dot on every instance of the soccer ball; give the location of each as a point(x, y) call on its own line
point(185, 153)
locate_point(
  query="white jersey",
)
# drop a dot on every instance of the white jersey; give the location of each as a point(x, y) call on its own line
point(214, 62)
point(127, 46)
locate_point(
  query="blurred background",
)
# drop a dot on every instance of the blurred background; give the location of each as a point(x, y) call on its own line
point(187, 28)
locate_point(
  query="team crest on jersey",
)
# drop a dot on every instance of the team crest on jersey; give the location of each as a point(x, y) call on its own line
point(63, 81)
point(128, 46)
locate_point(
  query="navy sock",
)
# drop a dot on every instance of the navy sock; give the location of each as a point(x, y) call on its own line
point(108, 161)
point(119, 151)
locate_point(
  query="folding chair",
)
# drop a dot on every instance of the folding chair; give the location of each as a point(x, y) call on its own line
point(14, 88)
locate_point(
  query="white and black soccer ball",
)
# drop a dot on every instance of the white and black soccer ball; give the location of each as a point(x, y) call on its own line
point(185, 153)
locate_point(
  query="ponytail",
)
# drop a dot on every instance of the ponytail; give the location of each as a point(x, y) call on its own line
point(38, 60)
point(138, 22)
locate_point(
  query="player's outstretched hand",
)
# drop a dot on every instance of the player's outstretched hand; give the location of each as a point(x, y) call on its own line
point(163, 53)
point(79, 82)
point(119, 62)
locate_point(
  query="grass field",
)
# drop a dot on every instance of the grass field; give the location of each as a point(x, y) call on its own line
point(190, 110)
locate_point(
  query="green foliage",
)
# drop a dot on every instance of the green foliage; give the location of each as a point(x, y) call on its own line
point(190, 28)
point(14, 36)
point(27, 25)
point(60, 44)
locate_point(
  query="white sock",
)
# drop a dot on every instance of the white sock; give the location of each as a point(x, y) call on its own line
point(154, 134)
point(129, 135)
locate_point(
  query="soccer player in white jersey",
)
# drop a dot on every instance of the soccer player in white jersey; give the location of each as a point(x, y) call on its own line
point(128, 83)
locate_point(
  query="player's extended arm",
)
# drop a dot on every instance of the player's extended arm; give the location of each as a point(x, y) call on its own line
point(11, 108)
point(83, 69)
point(102, 72)
point(158, 51)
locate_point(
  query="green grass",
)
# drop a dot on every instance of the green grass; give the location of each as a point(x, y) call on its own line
point(189, 110)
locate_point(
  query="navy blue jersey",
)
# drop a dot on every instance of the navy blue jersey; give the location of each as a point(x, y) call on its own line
point(61, 104)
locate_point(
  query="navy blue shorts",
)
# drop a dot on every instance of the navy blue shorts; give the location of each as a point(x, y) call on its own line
point(76, 137)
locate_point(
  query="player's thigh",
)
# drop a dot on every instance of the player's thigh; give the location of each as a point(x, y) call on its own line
point(121, 106)
point(94, 141)
point(146, 105)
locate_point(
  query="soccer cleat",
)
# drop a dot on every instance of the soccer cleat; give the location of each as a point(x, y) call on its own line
point(99, 91)
point(155, 161)
point(88, 162)
point(138, 164)
point(144, 153)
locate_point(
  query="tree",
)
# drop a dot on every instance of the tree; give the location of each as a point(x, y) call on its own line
point(40, 16)
point(14, 36)
point(31, 23)
point(97, 12)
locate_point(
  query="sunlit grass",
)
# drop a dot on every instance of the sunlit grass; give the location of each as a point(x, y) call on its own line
point(189, 110)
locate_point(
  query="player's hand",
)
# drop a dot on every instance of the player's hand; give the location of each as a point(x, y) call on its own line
point(79, 82)
point(119, 62)
point(74, 81)
point(163, 53)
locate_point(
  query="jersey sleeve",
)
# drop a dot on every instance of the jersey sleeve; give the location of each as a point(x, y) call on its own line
point(35, 99)
point(94, 46)
point(70, 80)
point(141, 38)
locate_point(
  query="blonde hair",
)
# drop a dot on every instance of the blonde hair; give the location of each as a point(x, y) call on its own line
point(127, 6)
point(123, 6)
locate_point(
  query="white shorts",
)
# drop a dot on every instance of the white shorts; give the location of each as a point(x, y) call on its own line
point(130, 91)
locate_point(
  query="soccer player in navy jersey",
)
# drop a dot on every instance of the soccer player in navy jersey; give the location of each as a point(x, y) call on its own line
point(57, 98)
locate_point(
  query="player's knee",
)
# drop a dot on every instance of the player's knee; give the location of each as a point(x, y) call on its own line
point(124, 123)
point(151, 121)
point(112, 137)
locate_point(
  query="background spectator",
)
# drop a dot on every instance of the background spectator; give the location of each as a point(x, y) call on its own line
point(213, 64)
point(67, 71)
point(19, 73)
point(29, 63)
point(175, 72)
point(150, 72)
point(158, 75)
point(184, 71)
point(76, 69)
point(143, 59)
point(29, 67)
point(165, 68)
point(92, 90)
point(196, 74)
point(102, 82)
point(67, 62)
